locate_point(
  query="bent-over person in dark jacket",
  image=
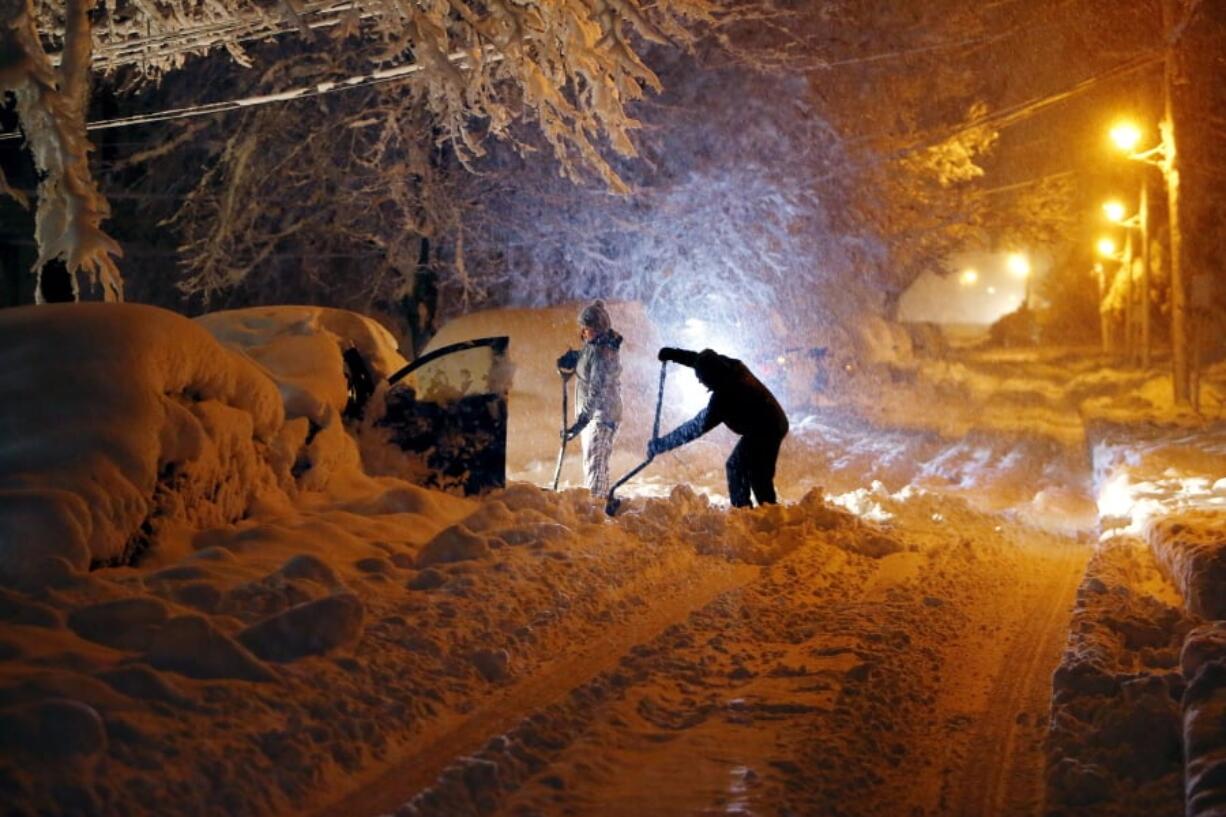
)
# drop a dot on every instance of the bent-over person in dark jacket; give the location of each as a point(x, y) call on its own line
point(741, 402)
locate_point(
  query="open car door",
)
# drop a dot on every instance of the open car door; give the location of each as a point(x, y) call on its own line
point(449, 409)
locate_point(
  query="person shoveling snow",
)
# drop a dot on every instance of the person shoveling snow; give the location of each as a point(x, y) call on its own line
point(597, 368)
point(741, 402)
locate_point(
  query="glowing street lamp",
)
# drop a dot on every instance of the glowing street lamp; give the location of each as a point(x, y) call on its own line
point(1106, 247)
point(1126, 136)
point(968, 277)
point(1114, 211)
point(1018, 264)
point(1019, 267)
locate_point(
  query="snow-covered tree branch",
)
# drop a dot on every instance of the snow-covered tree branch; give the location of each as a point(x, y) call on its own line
point(569, 67)
point(51, 105)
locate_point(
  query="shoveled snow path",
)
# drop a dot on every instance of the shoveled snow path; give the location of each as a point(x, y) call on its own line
point(826, 683)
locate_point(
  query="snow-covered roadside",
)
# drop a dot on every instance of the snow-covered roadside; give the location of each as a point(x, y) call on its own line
point(1203, 664)
point(1191, 547)
point(259, 661)
point(91, 470)
point(133, 437)
point(1157, 478)
point(1114, 745)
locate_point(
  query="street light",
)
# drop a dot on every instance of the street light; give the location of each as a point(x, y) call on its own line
point(1019, 266)
point(1126, 136)
point(968, 277)
point(1106, 247)
point(1114, 211)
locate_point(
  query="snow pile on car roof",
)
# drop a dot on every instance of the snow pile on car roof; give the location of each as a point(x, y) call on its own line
point(300, 348)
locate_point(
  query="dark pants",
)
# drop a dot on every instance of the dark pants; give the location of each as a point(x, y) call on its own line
point(752, 465)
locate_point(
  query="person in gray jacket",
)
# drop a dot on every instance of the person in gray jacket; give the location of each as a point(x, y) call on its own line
point(597, 368)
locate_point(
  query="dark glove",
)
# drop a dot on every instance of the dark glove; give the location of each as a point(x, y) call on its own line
point(568, 361)
point(654, 447)
point(571, 433)
point(668, 353)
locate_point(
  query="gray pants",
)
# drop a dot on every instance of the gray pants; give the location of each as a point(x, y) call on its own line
point(597, 450)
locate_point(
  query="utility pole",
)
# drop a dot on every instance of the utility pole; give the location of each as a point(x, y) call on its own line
point(1104, 325)
point(1143, 214)
point(1180, 369)
point(1130, 302)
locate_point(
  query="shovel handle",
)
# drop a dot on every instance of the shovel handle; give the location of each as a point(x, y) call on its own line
point(611, 502)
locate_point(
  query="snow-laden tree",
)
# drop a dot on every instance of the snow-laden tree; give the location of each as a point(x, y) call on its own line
point(51, 102)
point(568, 65)
point(757, 185)
point(804, 176)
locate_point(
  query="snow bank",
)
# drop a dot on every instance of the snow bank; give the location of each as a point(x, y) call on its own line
point(881, 341)
point(1114, 745)
point(1191, 547)
point(116, 416)
point(1204, 713)
point(1180, 465)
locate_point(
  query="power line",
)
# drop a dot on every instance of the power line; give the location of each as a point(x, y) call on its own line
point(1019, 112)
point(188, 39)
point(1028, 182)
point(378, 77)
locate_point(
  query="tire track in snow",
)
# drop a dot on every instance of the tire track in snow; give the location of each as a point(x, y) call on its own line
point(428, 756)
point(1004, 773)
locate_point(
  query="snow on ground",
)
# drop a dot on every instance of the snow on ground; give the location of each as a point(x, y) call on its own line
point(1115, 744)
point(1156, 475)
point(90, 467)
point(1203, 664)
point(291, 624)
point(290, 636)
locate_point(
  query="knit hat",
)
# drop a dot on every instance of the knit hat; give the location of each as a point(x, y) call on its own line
point(595, 317)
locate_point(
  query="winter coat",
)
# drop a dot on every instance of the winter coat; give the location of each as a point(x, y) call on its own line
point(598, 372)
point(738, 400)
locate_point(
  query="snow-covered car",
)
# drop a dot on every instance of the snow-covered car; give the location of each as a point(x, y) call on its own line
point(445, 413)
point(449, 408)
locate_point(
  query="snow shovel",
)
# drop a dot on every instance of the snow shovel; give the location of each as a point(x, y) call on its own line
point(613, 503)
point(557, 471)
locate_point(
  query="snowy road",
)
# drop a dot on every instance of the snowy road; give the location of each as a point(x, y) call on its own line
point(914, 683)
